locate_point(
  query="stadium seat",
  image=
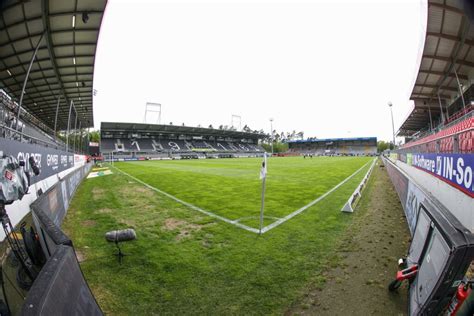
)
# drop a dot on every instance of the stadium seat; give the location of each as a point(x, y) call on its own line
point(146, 145)
point(447, 146)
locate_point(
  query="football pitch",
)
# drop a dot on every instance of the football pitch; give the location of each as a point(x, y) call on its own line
point(191, 256)
point(230, 189)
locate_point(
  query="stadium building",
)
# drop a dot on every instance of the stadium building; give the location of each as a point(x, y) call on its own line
point(334, 146)
point(432, 171)
point(130, 141)
point(48, 54)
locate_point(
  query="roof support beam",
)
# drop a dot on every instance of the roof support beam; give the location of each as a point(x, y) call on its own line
point(50, 98)
point(64, 82)
point(26, 51)
point(429, 96)
point(26, 81)
point(56, 117)
point(441, 73)
point(449, 37)
point(441, 109)
point(52, 55)
point(51, 68)
point(461, 93)
point(436, 86)
point(72, 95)
point(47, 59)
point(12, 86)
point(39, 17)
point(85, 29)
point(68, 124)
point(445, 7)
point(447, 59)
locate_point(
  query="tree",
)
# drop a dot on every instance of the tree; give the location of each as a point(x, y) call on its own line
point(94, 136)
point(277, 147)
point(282, 136)
point(382, 146)
point(276, 137)
point(293, 134)
point(210, 126)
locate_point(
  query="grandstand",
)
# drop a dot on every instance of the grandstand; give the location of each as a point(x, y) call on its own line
point(131, 141)
point(432, 171)
point(47, 64)
point(192, 255)
point(334, 146)
point(29, 128)
point(442, 117)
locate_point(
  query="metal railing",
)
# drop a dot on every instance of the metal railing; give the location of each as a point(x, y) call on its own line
point(25, 115)
point(7, 113)
point(25, 137)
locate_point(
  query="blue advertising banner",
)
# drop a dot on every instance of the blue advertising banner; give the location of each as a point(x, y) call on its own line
point(455, 169)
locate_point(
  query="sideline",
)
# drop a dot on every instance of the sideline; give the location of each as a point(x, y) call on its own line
point(236, 222)
point(191, 206)
point(298, 211)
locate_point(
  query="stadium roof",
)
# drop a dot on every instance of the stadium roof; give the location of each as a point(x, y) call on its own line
point(323, 140)
point(174, 129)
point(66, 34)
point(448, 52)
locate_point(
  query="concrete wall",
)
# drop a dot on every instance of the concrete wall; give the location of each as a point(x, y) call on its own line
point(460, 204)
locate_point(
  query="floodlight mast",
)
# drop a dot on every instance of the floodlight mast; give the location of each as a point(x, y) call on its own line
point(151, 107)
point(393, 126)
point(271, 131)
point(237, 119)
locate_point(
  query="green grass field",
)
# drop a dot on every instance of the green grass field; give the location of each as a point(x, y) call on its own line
point(186, 262)
point(232, 188)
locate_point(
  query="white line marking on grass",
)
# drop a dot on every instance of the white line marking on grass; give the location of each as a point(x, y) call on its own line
point(298, 211)
point(255, 217)
point(191, 206)
point(236, 222)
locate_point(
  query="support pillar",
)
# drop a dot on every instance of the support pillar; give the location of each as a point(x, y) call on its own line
point(75, 133)
point(68, 126)
point(56, 117)
point(441, 109)
point(431, 121)
point(460, 88)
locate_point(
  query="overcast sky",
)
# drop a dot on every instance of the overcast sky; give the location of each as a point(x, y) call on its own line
point(327, 68)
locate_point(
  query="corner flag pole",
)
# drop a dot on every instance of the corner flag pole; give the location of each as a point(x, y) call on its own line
point(263, 176)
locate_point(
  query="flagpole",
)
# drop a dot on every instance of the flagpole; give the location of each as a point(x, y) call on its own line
point(264, 178)
point(263, 203)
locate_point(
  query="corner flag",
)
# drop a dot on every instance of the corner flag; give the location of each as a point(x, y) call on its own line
point(263, 177)
point(263, 171)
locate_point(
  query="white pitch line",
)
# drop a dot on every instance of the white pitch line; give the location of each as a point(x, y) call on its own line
point(236, 222)
point(256, 217)
point(191, 206)
point(298, 211)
